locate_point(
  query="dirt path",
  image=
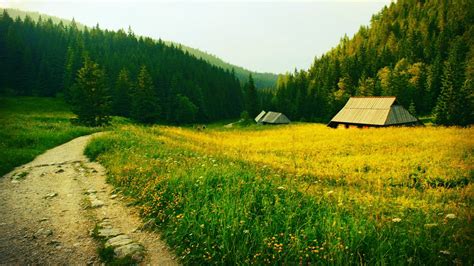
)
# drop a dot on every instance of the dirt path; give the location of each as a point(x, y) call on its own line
point(50, 206)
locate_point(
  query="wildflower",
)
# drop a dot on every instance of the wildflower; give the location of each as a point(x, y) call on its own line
point(396, 220)
point(281, 188)
point(450, 216)
point(444, 252)
point(246, 231)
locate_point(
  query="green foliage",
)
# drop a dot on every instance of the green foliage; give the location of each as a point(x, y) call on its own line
point(454, 105)
point(245, 115)
point(122, 94)
point(42, 58)
point(90, 96)
point(30, 126)
point(93, 151)
point(251, 97)
point(401, 54)
point(262, 80)
point(185, 110)
point(145, 107)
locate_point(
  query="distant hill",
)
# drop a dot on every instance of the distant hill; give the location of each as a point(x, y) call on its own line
point(262, 80)
point(420, 51)
point(135, 76)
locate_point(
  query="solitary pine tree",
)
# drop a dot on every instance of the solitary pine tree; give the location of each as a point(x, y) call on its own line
point(145, 107)
point(122, 99)
point(185, 110)
point(91, 101)
point(251, 97)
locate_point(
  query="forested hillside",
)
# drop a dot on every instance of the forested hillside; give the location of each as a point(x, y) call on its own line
point(420, 51)
point(262, 80)
point(43, 58)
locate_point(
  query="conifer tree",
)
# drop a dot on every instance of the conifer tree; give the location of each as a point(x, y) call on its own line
point(145, 107)
point(122, 98)
point(91, 100)
point(251, 97)
point(448, 104)
point(185, 110)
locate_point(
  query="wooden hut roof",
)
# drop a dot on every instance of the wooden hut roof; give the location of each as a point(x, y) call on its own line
point(274, 118)
point(260, 116)
point(379, 111)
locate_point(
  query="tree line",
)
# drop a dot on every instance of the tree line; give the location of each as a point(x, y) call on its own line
point(134, 76)
point(420, 51)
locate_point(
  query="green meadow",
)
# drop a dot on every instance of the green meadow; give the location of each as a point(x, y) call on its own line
point(30, 126)
point(215, 200)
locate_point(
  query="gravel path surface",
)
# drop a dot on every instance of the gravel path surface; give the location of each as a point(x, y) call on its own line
point(50, 206)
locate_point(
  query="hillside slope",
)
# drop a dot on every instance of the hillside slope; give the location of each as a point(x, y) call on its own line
point(43, 58)
point(262, 80)
point(415, 50)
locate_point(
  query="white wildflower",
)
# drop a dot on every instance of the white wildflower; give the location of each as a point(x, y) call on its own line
point(450, 216)
point(396, 220)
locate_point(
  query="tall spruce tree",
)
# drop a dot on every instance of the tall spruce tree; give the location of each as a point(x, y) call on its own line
point(454, 98)
point(185, 110)
point(251, 97)
point(91, 100)
point(122, 98)
point(145, 107)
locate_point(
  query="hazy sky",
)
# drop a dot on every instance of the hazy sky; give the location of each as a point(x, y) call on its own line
point(266, 36)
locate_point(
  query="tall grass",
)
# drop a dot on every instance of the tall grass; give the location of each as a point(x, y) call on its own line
point(31, 125)
point(216, 203)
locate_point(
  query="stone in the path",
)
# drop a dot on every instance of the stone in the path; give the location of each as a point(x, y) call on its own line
point(108, 232)
point(59, 171)
point(117, 241)
point(51, 195)
point(113, 196)
point(42, 232)
point(134, 250)
point(91, 191)
point(97, 203)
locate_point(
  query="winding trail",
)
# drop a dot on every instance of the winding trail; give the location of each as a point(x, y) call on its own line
point(50, 206)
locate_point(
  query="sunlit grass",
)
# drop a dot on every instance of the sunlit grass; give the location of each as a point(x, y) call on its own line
point(31, 125)
point(301, 193)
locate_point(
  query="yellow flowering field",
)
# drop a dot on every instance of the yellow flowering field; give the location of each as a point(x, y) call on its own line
point(432, 159)
point(300, 193)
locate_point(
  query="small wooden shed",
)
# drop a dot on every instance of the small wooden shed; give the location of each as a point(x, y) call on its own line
point(272, 118)
point(373, 112)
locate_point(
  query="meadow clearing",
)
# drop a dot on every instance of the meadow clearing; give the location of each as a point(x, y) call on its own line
point(301, 193)
point(31, 125)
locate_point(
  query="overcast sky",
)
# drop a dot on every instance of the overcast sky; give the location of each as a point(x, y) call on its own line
point(265, 36)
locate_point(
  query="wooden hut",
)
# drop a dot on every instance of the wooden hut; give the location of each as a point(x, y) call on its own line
point(373, 112)
point(272, 118)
